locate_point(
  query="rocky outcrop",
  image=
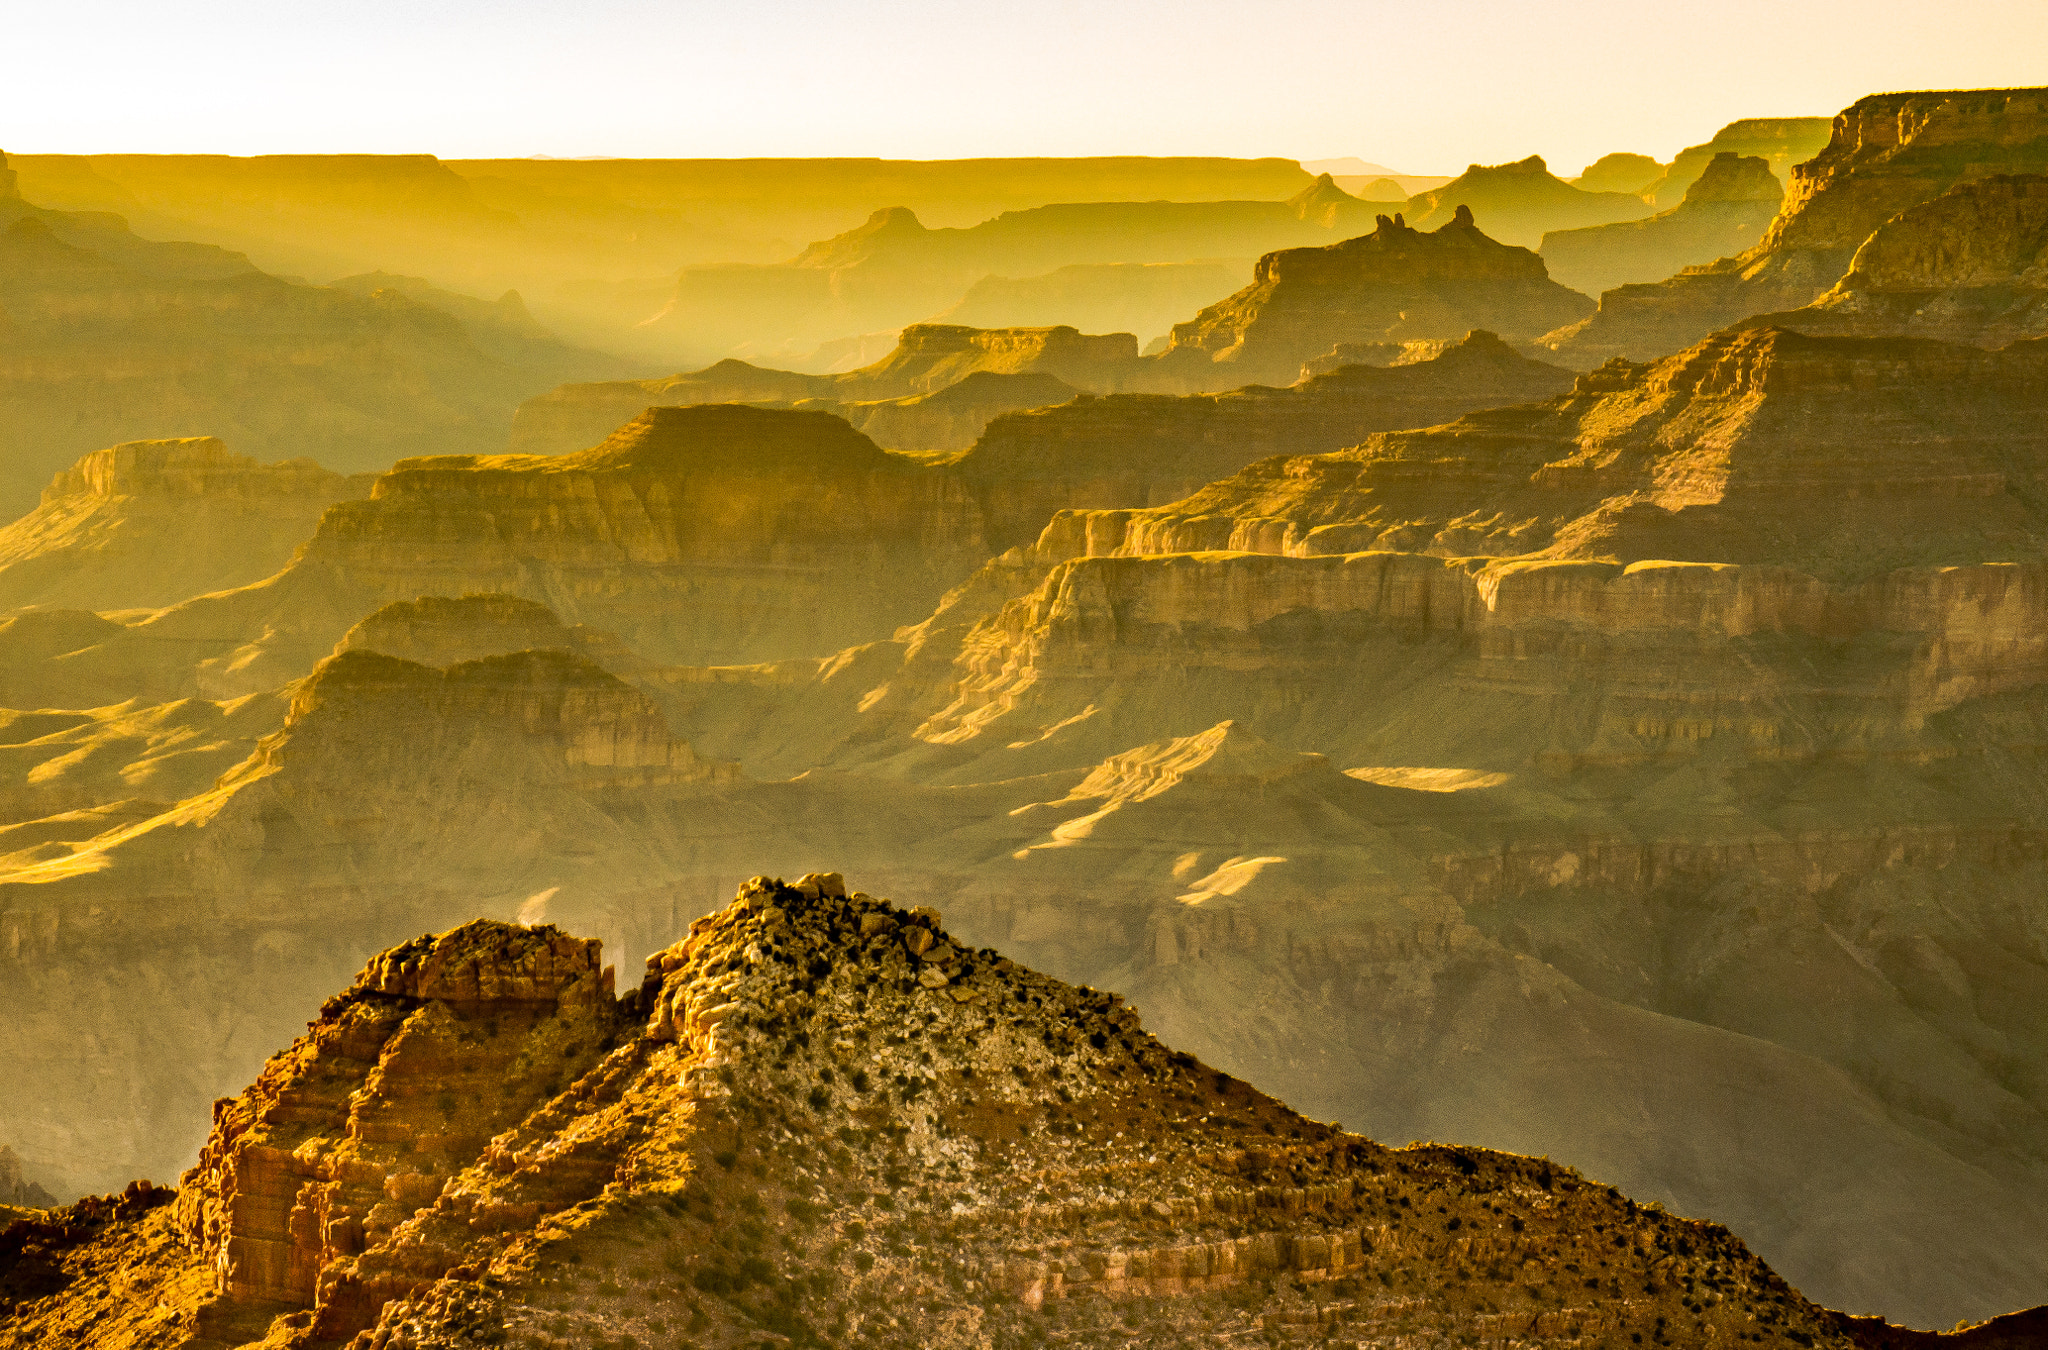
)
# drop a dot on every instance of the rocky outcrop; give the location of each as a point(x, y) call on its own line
point(150, 523)
point(1156, 448)
point(1521, 202)
point(1726, 210)
point(1886, 153)
point(1970, 266)
point(820, 1116)
point(1395, 284)
point(927, 359)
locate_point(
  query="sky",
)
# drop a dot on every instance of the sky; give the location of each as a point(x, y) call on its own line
point(1424, 86)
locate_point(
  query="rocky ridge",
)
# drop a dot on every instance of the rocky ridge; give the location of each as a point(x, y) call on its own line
point(1886, 153)
point(821, 1118)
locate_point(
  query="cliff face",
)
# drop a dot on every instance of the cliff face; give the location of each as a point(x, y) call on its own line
point(1156, 448)
point(1726, 210)
point(1840, 456)
point(951, 419)
point(1887, 153)
point(822, 1117)
point(1395, 284)
point(713, 533)
point(1521, 202)
point(1970, 266)
point(927, 358)
point(149, 523)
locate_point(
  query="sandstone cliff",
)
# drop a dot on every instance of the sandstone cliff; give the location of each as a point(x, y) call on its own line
point(1394, 284)
point(1970, 266)
point(1886, 153)
point(1521, 202)
point(1725, 210)
point(150, 523)
point(926, 359)
point(822, 1118)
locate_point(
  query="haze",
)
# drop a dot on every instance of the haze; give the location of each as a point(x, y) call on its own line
point(1426, 88)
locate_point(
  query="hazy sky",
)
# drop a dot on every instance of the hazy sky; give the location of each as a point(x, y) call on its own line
point(1423, 85)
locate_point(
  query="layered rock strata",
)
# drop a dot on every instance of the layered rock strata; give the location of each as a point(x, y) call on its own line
point(1970, 266)
point(149, 523)
point(1887, 153)
point(1725, 210)
point(822, 1118)
point(1780, 141)
point(1157, 448)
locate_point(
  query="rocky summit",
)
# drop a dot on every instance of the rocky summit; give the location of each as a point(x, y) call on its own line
point(821, 1120)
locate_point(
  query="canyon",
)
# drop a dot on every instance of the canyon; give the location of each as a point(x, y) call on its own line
point(1529, 727)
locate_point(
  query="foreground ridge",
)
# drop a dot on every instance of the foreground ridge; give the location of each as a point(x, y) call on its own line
point(819, 1120)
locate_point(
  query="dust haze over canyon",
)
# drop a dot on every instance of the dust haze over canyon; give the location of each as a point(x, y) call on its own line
point(1455, 759)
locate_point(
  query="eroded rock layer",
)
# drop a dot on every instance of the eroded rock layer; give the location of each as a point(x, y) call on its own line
point(149, 523)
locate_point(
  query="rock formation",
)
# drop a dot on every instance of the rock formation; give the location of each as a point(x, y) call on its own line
point(822, 1118)
point(926, 359)
point(1725, 211)
point(1394, 284)
point(1887, 153)
point(1970, 266)
point(1155, 448)
point(503, 329)
point(1781, 141)
point(150, 523)
point(1521, 202)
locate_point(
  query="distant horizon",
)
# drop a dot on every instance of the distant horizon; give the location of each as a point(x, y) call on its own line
point(1467, 82)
